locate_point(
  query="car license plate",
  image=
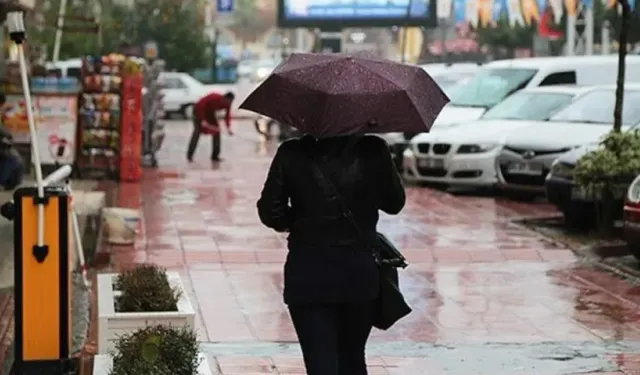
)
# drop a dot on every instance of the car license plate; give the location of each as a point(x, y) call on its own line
point(431, 163)
point(525, 168)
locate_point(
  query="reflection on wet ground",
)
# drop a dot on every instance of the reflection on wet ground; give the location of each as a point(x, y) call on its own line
point(490, 297)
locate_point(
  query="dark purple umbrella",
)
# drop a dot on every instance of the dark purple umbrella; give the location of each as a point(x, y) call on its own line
point(335, 94)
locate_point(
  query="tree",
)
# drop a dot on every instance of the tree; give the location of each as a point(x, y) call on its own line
point(251, 20)
point(632, 25)
point(622, 54)
point(176, 26)
point(77, 40)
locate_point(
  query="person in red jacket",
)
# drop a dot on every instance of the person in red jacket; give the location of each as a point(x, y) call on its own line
point(205, 121)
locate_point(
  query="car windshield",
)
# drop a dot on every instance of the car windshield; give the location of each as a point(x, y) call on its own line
point(446, 82)
point(489, 86)
point(534, 106)
point(596, 107)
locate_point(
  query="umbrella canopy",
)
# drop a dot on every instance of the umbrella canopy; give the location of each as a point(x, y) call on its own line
point(335, 94)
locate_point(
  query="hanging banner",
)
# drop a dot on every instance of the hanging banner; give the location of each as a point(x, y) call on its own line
point(459, 8)
point(515, 13)
point(571, 6)
point(530, 11)
point(542, 7)
point(557, 7)
point(485, 12)
point(498, 9)
point(443, 9)
point(471, 12)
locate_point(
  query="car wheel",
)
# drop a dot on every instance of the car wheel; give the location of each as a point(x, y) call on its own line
point(578, 218)
point(187, 111)
point(634, 249)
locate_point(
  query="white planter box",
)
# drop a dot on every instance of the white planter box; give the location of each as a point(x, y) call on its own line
point(112, 324)
point(102, 365)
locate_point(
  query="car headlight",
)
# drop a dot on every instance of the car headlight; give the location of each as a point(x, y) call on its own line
point(476, 148)
point(560, 169)
point(633, 193)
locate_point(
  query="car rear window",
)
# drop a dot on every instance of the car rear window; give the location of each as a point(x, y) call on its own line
point(534, 106)
point(597, 107)
point(490, 86)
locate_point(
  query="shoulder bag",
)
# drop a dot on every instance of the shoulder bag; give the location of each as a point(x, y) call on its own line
point(391, 303)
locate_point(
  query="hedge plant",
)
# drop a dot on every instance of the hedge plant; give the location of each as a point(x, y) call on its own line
point(145, 289)
point(157, 350)
point(612, 166)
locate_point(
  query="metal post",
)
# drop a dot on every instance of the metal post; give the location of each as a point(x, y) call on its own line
point(571, 35)
point(59, 26)
point(300, 40)
point(214, 54)
point(606, 38)
point(588, 30)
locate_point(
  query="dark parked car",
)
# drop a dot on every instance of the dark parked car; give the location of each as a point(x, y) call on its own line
point(631, 218)
point(577, 206)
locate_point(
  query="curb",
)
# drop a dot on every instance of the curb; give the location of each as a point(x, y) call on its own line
point(590, 254)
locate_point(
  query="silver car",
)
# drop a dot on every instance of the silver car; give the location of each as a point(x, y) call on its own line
point(527, 155)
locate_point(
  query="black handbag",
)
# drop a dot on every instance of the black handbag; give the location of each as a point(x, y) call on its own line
point(391, 303)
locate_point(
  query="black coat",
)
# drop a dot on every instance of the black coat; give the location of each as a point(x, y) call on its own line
point(327, 260)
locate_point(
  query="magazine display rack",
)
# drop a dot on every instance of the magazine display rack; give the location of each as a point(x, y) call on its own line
point(110, 117)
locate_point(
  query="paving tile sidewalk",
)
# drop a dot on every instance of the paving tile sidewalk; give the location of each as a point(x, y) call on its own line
point(490, 297)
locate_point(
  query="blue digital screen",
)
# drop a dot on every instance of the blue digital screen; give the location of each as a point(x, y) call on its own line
point(300, 10)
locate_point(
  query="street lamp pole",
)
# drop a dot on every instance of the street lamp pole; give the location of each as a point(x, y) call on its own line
point(59, 26)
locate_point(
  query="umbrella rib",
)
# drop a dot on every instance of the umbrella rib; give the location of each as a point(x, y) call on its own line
point(383, 76)
point(333, 87)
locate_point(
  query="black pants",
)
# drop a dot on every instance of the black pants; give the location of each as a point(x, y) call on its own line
point(195, 136)
point(333, 336)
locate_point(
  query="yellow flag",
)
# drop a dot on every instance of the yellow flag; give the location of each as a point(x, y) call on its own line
point(530, 11)
point(571, 6)
point(485, 12)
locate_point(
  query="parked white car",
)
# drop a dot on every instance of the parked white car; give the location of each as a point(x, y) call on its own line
point(181, 91)
point(528, 154)
point(465, 155)
point(498, 79)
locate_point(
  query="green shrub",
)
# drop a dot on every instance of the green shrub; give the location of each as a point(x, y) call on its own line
point(145, 289)
point(157, 350)
point(612, 166)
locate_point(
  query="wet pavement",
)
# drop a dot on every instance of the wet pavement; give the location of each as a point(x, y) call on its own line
point(489, 296)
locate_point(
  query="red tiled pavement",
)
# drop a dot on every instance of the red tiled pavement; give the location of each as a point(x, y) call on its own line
point(476, 277)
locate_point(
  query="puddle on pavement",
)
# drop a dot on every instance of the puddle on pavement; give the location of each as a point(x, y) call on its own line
point(179, 196)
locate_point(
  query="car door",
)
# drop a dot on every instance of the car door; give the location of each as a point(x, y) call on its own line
point(175, 93)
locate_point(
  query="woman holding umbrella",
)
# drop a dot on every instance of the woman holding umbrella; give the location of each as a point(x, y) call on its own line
point(326, 188)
